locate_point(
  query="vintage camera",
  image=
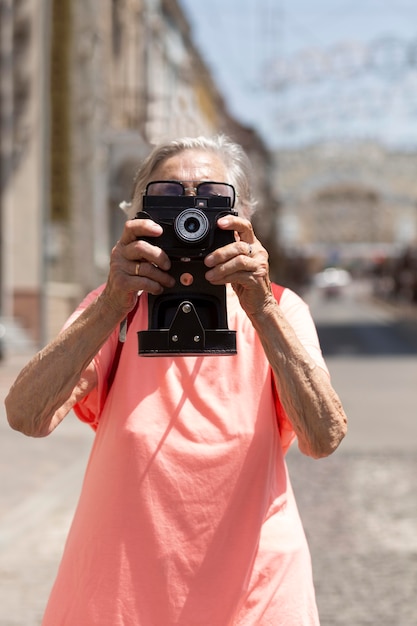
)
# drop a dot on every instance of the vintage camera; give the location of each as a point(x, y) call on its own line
point(191, 317)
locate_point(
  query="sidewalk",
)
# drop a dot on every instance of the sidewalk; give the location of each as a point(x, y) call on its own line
point(402, 310)
point(41, 480)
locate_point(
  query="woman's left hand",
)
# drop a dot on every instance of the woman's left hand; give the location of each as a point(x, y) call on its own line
point(305, 390)
point(243, 263)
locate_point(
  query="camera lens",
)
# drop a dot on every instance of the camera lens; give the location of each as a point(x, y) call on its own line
point(191, 226)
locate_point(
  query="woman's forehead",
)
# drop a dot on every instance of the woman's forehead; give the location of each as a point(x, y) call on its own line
point(192, 165)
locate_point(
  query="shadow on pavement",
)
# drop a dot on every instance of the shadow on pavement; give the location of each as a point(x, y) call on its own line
point(368, 339)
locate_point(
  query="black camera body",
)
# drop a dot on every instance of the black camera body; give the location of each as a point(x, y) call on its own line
point(191, 317)
point(189, 224)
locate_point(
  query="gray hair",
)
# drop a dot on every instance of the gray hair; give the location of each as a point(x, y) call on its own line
point(232, 154)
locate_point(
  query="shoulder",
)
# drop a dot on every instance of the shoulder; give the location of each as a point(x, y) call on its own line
point(277, 290)
point(289, 301)
point(298, 314)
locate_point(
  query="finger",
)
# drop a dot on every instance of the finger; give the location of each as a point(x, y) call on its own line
point(240, 225)
point(248, 279)
point(137, 274)
point(242, 266)
point(151, 286)
point(144, 270)
point(233, 262)
point(139, 228)
point(225, 253)
point(143, 250)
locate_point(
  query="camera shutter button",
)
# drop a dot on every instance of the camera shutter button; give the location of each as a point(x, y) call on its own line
point(186, 279)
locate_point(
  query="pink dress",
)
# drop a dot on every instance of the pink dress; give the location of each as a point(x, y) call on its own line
point(186, 514)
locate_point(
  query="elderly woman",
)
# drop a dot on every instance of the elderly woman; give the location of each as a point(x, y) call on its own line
point(186, 514)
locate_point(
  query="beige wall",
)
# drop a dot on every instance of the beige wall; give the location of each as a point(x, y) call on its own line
point(134, 78)
point(25, 199)
point(29, 182)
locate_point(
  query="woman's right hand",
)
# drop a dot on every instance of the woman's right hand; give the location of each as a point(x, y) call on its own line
point(63, 372)
point(137, 265)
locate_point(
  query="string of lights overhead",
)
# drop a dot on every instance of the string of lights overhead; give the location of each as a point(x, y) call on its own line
point(301, 73)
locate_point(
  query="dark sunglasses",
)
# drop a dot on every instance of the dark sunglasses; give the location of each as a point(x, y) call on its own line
point(177, 188)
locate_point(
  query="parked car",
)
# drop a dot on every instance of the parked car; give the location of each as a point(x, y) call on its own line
point(332, 281)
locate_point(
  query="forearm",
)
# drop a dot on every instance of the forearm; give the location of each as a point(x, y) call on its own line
point(305, 390)
point(48, 386)
point(62, 374)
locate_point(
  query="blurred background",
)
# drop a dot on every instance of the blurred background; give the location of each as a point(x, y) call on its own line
point(322, 95)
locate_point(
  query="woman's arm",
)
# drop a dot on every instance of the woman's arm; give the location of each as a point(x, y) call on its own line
point(304, 388)
point(63, 373)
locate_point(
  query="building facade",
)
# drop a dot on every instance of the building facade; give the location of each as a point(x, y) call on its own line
point(347, 201)
point(88, 86)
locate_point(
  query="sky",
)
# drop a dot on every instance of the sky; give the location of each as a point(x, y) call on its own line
point(302, 71)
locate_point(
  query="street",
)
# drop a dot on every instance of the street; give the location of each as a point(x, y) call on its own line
point(359, 506)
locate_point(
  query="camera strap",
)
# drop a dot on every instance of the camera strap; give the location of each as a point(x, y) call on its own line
point(122, 337)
